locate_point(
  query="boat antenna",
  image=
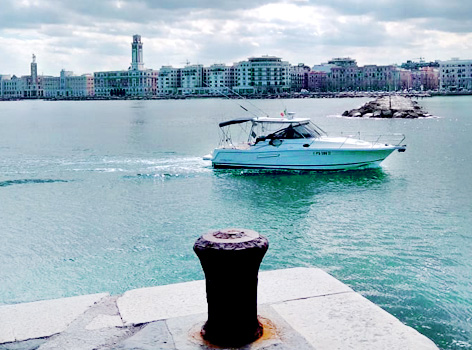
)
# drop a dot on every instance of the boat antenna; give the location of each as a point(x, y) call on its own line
point(240, 97)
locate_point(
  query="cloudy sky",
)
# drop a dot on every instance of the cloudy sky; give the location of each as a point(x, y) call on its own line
point(95, 35)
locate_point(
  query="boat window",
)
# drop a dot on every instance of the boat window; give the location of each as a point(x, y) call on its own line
point(293, 132)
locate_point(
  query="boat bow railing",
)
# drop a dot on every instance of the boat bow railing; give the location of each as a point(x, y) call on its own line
point(394, 139)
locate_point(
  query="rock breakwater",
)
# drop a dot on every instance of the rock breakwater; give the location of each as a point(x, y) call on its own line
point(389, 107)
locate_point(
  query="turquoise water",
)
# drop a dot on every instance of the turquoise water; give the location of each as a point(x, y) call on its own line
point(111, 195)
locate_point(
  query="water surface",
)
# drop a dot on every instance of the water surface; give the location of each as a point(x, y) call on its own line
point(111, 195)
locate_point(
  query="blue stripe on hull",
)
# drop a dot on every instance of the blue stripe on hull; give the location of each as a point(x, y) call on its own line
point(300, 167)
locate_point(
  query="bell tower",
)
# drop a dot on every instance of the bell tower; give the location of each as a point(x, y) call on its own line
point(137, 53)
point(34, 71)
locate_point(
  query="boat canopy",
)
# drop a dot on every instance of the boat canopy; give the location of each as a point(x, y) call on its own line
point(235, 121)
point(269, 120)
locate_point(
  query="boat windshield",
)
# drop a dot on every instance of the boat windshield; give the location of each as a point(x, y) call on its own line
point(293, 132)
point(303, 130)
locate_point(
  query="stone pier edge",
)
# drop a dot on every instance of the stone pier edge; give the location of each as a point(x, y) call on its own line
point(309, 307)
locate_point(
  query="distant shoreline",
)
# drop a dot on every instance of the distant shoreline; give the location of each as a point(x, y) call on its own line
point(250, 97)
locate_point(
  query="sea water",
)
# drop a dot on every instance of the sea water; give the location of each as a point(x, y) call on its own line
point(111, 195)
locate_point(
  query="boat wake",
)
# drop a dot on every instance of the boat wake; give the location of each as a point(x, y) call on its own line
point(28, 181)
point(164, 168)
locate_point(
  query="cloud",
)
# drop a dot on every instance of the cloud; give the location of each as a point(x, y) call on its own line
point(92, 35)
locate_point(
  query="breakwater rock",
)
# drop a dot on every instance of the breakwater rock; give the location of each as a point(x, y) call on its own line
point(389, 107)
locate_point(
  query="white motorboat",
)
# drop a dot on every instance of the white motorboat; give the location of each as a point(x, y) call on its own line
point(291, 143)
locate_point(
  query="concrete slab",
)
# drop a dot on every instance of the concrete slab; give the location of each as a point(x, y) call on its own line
point(153, 336)
point(42, 318)
point(159, 303)
point(304, 308)
point(163, 302)
point(350, 321)
point(296, 283)
point(277, 333)
point(186, 335)
point(104, 321)
point(100, 327)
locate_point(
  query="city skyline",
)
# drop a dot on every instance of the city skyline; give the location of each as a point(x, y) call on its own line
point(87, 36)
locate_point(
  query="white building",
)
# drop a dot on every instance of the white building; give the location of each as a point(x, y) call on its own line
point(3, 78)
point(219, 79)
point(136, 81)
point(51, 86)
point(11, 87)
point(68, 85)
point(191, 80)
point(259, 75)
point(168, 81)
point(455, 75)
point(27, 86)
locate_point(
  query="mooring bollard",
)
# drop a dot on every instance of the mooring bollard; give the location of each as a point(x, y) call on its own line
point(230, 259)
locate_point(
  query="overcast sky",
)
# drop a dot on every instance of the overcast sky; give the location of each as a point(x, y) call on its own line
point(85, 36)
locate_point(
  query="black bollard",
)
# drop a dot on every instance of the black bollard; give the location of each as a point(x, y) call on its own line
point(230, 259)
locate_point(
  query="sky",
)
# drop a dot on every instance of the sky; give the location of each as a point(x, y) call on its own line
point(86, 36)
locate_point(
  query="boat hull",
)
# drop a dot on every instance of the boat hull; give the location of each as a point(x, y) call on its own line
point(306, 159)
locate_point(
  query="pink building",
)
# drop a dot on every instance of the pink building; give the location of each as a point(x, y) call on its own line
point(317, 81)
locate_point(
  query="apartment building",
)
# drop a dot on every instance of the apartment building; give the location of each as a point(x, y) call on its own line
point(261, 75)
point(350, 77)
point(219, 79)
point(168, 81)
point(191, 80)
point(455, 75)
point(299, 77)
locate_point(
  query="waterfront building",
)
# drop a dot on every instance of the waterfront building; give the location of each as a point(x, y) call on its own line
point(455, 75)
point(344, 74)
point(347, 76)
point(31, 85)
point(168, 81)
point(317, 81)
point(27, 86)
point(51, 86)
point(379, 78)
point(343, 62)
point(191, 80)
point(412, 65)
point(3, 78)
point(406, 79)
point(32, 88)
point(299, 77)
point(11, 87)
point(219, 79)
point(262, 75)
point(136, 81)
point(419, 76)
point(430, 78)
point(69, 85)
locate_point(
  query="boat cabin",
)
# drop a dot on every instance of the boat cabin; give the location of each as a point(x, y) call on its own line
point(265, 128)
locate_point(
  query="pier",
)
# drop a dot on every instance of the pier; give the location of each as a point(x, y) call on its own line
point(299, 308)
point(391, 106)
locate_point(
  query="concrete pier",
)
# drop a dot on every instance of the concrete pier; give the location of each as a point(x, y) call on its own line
point(299, 308)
